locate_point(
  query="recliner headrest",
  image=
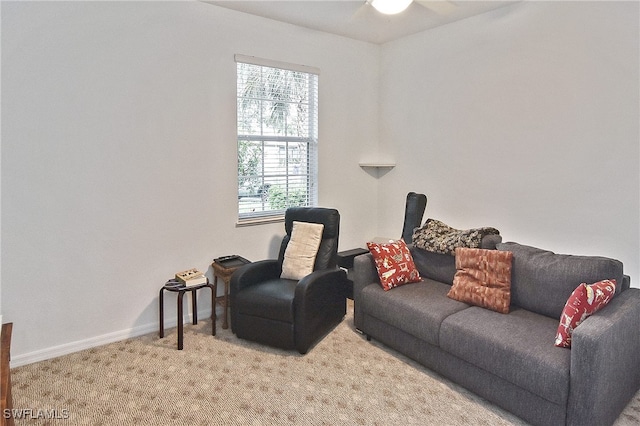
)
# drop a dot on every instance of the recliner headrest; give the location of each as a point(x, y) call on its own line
point(330, 218)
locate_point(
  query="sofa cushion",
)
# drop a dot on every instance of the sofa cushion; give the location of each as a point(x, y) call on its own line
point(442, 267)
point(437, 266)
point(394, 264)
point(483, 278)
point(517, 347)
point(541, 281)
point(417, 309)
point(585, 300)
point(439, 237)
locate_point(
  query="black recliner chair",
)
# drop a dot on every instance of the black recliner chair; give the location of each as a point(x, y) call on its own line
point(413, 212)
point(286, 313)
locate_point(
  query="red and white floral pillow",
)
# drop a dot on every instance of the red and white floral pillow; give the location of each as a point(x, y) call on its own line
point(394, 264)
point(584, 300)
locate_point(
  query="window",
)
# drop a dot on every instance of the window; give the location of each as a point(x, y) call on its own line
point(277, 137)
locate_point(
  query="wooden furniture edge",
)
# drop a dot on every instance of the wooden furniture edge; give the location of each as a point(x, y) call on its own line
point(6, 402)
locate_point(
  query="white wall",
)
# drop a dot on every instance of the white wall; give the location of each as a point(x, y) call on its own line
point(119, 157)
point(526, 119)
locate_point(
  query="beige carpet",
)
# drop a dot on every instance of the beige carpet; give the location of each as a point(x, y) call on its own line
point(222, 380)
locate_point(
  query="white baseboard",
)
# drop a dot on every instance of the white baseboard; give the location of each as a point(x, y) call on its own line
point(92, 342)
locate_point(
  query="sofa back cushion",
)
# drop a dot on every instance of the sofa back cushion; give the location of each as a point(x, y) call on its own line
point(436, 266)
point(542, 281)
point(442, 267)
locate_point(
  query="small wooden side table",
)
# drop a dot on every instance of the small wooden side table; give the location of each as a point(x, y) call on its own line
point(224, 267)
point(181, 290)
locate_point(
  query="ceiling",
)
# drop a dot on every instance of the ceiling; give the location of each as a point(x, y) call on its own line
point(358, 20)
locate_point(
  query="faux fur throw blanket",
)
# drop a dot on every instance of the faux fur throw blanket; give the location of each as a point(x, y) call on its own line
point(439, 237)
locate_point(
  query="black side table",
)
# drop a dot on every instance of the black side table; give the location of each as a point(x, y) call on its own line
point(181, 290)
point(345, 261)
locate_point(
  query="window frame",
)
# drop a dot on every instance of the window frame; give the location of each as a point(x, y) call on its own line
point(279, 141)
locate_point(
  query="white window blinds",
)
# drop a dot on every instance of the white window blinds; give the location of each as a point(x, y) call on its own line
point(277, 125)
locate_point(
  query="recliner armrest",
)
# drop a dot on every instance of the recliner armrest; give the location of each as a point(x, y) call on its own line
point(605, 362)
point(254, 273)
point(319, 283)
point(248, 275)
point(320, 304)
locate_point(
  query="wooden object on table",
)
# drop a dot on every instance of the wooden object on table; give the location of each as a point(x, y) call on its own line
point(176, 286)
point(224, 267)
point(6, 402)
point(191, 277)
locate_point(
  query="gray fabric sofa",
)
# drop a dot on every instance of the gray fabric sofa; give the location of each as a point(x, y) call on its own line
point(510, 359)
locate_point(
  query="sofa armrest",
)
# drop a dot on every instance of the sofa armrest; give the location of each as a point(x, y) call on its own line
point(489, 242)
point(626, 283)
point(605, 362)
point(364, 273)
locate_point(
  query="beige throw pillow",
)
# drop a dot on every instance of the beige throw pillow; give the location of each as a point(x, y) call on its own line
point(300, 255)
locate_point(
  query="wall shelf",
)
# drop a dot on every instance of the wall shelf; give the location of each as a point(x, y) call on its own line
point(377, 165)
point(377, 169)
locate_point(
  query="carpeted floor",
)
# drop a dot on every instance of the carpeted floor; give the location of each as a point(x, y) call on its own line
point(222, 380)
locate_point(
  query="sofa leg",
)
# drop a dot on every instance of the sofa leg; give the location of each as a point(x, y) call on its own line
point(368, 338)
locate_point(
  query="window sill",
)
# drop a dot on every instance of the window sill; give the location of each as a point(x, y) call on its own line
point(259, 221)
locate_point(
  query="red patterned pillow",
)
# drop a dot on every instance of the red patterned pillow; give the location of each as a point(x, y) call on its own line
point(483, 278)
point(394, 264)
point(584, 301)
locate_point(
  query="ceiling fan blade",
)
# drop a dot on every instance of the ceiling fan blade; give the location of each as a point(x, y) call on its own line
point(362, 11)
point(441, 7)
